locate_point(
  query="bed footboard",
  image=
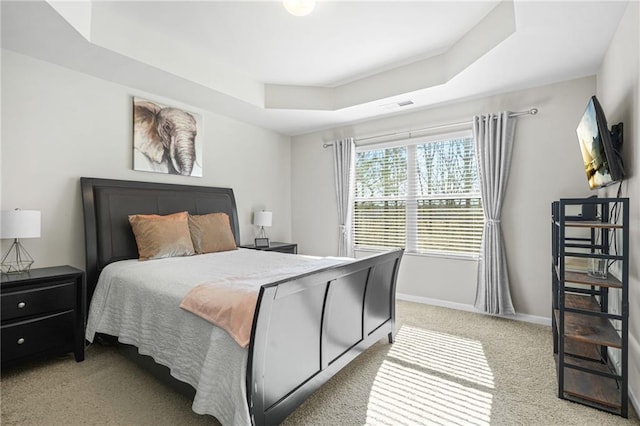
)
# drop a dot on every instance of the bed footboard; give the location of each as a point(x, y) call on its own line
point(307, 328)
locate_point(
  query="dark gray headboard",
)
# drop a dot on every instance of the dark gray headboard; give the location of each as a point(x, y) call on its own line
point(107, 204)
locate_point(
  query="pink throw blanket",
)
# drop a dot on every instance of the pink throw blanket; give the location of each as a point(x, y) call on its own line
point(230, 303)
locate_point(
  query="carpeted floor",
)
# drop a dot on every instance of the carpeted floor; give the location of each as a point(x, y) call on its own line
point(446, 367)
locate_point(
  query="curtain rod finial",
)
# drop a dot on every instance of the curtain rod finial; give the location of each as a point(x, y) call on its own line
point(533, 111)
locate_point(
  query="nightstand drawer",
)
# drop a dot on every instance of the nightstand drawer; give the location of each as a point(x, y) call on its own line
point(290, 249)
point(30, 337)
point(41, 300)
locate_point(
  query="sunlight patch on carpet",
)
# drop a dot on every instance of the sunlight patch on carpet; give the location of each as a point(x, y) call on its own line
point(404, 396)
point(432, 378)
point(451, 355)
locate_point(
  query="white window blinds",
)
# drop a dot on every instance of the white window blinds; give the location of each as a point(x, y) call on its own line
point(421, 195)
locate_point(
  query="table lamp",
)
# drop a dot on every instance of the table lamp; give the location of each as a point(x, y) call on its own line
point(262, 219)
point(18, 224)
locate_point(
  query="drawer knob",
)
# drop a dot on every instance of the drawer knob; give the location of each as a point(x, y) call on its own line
point(21, 340)
point(21, 305)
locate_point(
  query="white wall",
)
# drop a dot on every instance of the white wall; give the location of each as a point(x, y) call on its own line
point(618, 90)
point(546, 165)
point(59, 125)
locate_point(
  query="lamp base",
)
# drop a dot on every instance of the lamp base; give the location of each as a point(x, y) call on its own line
point(16, 260)
point(262, 233)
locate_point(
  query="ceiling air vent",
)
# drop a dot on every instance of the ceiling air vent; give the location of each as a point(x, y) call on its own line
point(396, 105)
point(405, 103)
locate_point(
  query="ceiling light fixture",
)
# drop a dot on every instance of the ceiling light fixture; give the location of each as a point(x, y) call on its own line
point(299, 7)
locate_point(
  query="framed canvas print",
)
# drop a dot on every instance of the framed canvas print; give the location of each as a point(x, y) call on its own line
point(261, 242)
point(166, 139)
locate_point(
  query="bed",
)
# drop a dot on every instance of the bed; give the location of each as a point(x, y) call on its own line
point(306, 327)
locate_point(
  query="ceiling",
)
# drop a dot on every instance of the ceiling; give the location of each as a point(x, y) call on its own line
point(346, 62)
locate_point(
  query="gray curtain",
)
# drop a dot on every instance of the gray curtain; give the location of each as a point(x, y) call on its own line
point(493, 135)
point(344, 155)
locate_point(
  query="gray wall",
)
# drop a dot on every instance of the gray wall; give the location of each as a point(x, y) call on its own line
point(58, 125)
point(546, 165)
point(619, 94)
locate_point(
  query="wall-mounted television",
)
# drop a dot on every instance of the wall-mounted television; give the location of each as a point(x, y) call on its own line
point(600, 147)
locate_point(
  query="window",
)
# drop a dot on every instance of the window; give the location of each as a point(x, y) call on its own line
point(423, 195)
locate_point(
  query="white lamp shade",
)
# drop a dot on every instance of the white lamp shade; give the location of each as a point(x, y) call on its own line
point(262, 218)
point(20, 224)
point(299, 7)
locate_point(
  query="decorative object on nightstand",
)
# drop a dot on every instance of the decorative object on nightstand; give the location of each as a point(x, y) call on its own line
point(43, 313)
point(262, 218)
point(18, 224)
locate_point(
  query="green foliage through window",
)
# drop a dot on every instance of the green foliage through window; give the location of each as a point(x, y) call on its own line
point(424, 197)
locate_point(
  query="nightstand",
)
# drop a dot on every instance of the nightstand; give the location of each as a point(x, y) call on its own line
point(43, 313)
point(291, 248)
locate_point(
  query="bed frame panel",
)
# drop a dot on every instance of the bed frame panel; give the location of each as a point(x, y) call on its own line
point(309, 327)
point(305, 329)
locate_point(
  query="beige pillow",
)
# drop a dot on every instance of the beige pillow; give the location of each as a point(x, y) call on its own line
point(162, 236)
point(211, 233)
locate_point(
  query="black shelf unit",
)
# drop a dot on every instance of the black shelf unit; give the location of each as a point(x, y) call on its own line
point(584, 330)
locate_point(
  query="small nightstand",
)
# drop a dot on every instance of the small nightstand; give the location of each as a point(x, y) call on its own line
point(291, 248)
point(43, 313)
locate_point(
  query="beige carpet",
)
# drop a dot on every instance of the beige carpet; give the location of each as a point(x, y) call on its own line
point(447, 367)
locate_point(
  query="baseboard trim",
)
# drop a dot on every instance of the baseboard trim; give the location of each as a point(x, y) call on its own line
point(469, 308)
point(634, 401)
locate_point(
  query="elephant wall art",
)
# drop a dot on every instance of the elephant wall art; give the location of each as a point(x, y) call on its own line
point(165, 139)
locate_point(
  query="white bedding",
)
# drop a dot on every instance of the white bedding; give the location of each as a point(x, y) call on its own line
point(139, 302)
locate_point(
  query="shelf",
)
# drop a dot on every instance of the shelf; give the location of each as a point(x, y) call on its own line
point(575, 272)
point(592, 224)
point(587, 343)
point(586, 279)
point(603, 391)
point(586, 255)
point(578, 301)
point(580, 349)
point(589, 329)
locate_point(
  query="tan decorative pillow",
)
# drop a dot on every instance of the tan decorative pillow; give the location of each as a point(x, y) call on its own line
point(211, 233)
point(162, 236)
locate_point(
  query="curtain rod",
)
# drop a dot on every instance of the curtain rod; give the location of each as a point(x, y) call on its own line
point(532, 111)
